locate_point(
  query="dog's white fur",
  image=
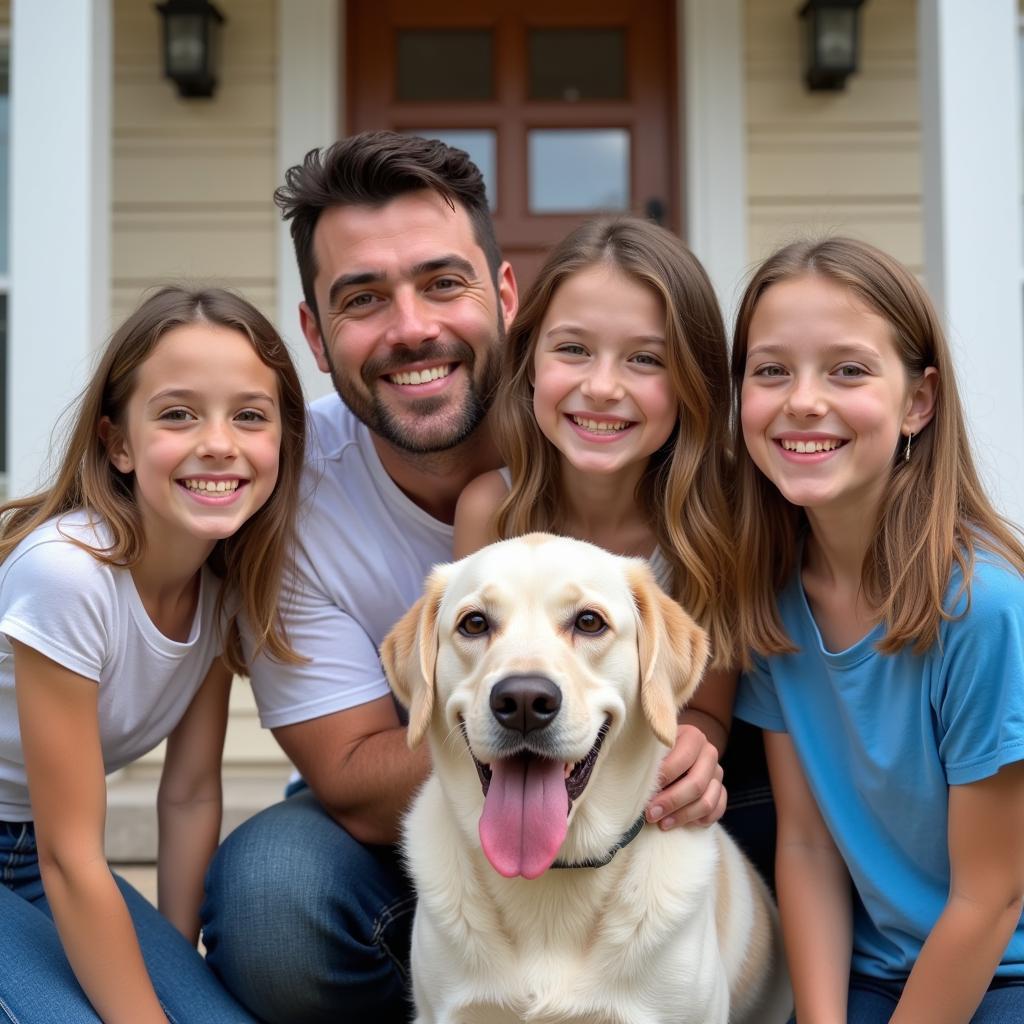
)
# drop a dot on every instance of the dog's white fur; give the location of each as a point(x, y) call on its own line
point(678, 927)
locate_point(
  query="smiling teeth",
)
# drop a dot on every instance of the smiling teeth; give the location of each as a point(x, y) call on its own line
point(420, 376)
point(808, 447)
point(599, 428)
point(212, 486)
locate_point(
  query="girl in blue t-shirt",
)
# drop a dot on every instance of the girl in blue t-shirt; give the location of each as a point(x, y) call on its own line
point(882, 599)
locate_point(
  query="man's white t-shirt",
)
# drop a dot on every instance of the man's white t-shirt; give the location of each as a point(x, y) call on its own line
point(88, 617)
point(364, 550)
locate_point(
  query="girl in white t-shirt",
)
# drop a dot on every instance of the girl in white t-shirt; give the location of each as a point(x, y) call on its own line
point(613, 416)
point(170, 515)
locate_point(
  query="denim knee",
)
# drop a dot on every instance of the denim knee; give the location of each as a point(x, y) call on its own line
point(302, 922)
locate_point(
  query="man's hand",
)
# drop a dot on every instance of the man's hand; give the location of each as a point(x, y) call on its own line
point(691, 779)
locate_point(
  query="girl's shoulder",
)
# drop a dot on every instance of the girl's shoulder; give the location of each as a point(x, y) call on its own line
point(66, 543)
point(994, 584)
point(481, 497)
point(476, 510)
point(487, 489)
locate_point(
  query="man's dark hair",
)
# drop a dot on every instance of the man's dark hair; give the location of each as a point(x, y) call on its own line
point(371, 169)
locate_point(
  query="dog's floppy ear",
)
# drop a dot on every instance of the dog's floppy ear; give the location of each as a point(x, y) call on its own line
point(673, 652)
point(408, 655)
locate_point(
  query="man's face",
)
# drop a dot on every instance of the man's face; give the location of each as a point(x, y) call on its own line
point(410, 321)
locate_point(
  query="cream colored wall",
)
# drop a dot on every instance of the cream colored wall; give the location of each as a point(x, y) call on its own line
point(193, 179)
point(834, 162)
point(191, 196)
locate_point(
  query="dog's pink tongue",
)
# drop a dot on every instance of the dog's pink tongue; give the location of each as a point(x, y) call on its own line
point(525, 816)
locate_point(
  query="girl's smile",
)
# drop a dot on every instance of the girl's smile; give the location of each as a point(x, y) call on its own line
point(602, 393)
point(801, 448)
point(213, 490)
point(601, 429)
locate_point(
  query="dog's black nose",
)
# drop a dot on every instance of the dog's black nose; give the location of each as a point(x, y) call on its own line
point(525, 703)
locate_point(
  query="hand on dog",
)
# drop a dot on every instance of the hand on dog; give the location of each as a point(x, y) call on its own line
point(692, 792)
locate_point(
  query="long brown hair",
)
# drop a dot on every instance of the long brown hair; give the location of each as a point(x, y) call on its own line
point(684, 488)
point(934, 512)
point(253, 559)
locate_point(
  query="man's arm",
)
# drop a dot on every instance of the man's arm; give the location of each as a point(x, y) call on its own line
point(690, 778)
point(359, 767)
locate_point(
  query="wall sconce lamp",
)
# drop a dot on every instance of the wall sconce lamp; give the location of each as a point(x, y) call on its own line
point(832, 42)
point(191, 45)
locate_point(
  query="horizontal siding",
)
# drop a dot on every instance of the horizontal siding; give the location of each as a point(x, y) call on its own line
point(193, 179)
point(846, 162)
point(191, 201)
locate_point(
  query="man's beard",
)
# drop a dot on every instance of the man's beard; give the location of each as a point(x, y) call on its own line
point(421, 433)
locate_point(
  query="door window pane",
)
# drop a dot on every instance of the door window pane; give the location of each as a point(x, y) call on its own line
point(573, 171)
point(444, 64)
point(577, 64)
point(480, 143)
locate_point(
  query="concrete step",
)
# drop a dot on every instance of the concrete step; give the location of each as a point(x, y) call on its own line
point(131, 832)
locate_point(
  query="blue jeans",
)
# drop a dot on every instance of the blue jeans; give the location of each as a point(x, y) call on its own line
point(37, 985)
point(873, 1001)
point(303, 923)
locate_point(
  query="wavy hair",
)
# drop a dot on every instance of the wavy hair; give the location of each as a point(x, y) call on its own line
point(253, 559)
point(934, 512)
point(371, 169)
point(684, 490)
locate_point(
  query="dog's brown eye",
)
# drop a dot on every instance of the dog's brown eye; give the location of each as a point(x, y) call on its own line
point(474, 624)
point(591, 623)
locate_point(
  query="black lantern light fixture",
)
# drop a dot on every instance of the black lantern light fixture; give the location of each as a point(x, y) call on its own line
point(832, 42)
point(191, 45)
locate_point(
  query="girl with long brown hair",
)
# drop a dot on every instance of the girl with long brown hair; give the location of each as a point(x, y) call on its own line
point(121, 586)
point(882, 599)
point(613, 416)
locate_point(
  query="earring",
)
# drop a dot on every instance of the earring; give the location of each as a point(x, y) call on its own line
point(906, 451)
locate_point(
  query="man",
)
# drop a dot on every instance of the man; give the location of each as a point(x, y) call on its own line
point(406, 302)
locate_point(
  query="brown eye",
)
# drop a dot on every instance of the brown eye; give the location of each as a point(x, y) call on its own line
point(474, 624)
point(590, 623)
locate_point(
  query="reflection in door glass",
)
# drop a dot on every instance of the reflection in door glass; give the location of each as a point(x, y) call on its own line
point(479, 143)
point(444, 64)
point(572, 171)
point(577, 64)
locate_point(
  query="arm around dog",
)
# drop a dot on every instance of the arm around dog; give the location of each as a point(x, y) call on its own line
point(691, 778)
point(333, 714)
point(359, 767)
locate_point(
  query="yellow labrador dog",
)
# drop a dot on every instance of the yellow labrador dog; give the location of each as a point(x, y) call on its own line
point(547, 675)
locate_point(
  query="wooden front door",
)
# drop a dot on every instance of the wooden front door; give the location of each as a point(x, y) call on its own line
point(567, 106)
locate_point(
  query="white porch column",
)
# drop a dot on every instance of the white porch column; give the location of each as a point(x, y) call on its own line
point(714, 118)
point(309, 98)
point(970, 153)
point(60, 217)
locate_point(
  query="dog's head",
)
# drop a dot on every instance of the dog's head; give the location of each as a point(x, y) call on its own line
point(561, 668)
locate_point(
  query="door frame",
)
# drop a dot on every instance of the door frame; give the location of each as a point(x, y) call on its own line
point(712, 163)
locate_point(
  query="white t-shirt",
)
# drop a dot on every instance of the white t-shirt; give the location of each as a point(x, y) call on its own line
point(88, 617)
point(364, 551)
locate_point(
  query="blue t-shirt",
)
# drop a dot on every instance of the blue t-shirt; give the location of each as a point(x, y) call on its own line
point(881, 737)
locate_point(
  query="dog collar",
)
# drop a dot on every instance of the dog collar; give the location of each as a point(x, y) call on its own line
point(627, 837)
